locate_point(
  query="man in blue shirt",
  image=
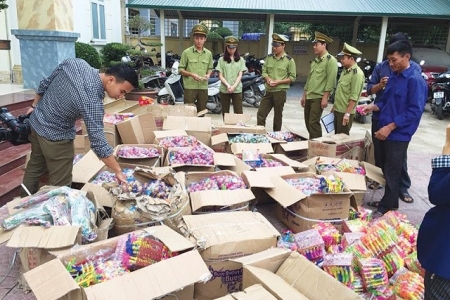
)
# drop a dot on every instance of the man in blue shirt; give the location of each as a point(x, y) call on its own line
point(73, 91)
point(401, 107)
point(433, 240)
point(376, 85)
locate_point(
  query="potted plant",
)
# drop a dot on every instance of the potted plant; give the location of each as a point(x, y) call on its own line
point(4, 44)
point(141, 59)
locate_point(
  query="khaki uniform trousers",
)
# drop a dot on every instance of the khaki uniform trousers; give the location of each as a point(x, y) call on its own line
point(313, 113)
point(227, 98)
point(201, 96)
point(276, 101)
point(338, 127)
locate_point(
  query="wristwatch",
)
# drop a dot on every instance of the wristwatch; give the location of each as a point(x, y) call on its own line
point(347, 114)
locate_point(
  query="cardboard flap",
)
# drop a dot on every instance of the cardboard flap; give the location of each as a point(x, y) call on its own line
point(50, 281)
point(153, 281)
point(283, 192)
point(103, 197)
point(271, 282)
point(279, 171)
point(237, 129)
point(374, 173)
point(167, 133)
point(188, 123)
point(173, 240)
point(354, 182)
point(5, 235)
point(219, 139)
point(270, 259)
point(220, 198)
point(261, 147)
point(257, 179)
point(131, 131)
point(307, 278)
point(86, 168)
point(254, 292)
point(41, 237)
point(224, 159)
point(234, 119)
point(290, 162)
point(294, 146)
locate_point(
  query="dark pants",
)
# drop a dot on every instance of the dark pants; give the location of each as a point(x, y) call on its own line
point(226, 99)
point(436, 287)
point(338, 127)
point(405, 181)
point(313, 113)
point(271, 100)
point(392, 156)
point(56, 157)
point(200, 95)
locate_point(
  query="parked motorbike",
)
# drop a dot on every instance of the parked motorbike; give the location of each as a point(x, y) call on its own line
point(367, 67)
point(440, 103)
point(173, 91)
point(253, 64)
point(253, 89)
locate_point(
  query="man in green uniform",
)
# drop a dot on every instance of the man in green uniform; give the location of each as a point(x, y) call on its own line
point(279, 72)
point(195, 66)
point(348, 90)
point(319, 85)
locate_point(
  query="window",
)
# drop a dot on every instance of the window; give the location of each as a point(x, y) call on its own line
point(98, 20)
point(146, 14)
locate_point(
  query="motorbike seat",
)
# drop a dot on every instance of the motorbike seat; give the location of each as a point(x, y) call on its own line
point(248, 77)
point(212, 80)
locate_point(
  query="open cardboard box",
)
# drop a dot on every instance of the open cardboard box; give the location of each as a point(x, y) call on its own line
point(226, 236)
point(173, 276)
point(338, 145)
point(237, 123)
point(221, 141)
point(296, 150)
point(161, 112)
point(137, 130)
point(198, 127)
point(217, 200)
point(150, 161)
point(289, 275)
point(284, 161)
point(254, 292)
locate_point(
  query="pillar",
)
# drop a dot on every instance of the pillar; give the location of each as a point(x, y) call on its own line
point(45, 35)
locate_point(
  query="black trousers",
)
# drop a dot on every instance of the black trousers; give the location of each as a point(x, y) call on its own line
point(393, 154)
point(405, 180)
point(436, 287)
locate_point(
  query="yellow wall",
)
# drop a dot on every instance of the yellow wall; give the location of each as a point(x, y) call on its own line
point(45, 14)
point(259, 49)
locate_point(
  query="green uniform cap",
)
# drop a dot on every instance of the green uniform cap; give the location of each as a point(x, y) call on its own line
point(199, 29)
point(349, 50)
point(279, 39)
point(231, 41)
point(320, 37)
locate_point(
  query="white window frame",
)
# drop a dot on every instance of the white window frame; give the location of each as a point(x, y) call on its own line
point(99, 34)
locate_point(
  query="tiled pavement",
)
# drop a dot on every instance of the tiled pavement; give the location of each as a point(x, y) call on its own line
point(426, 143)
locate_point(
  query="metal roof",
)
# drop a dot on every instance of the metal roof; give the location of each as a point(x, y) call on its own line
point(299, 10)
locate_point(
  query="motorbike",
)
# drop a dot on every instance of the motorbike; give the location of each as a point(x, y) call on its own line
point(253, 89)
point(253, 64)
point(367, 67)
point(364, 99)
point(173, 91)
point(440, 103)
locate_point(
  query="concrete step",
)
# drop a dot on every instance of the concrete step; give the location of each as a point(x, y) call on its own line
point(10, 184)
point(13, 157)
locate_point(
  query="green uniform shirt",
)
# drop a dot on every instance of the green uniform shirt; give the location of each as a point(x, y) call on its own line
point(279, 69)
point(349, 87)
point(199, 63)
point(230, 72)
point(322, 76)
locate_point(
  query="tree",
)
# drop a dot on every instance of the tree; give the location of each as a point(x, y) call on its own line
point(3, 5)
point(223, 31)
point(139, 24)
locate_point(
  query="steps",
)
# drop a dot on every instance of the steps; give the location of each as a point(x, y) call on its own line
point(12, 158)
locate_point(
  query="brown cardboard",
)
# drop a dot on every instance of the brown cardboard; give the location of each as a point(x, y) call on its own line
point(167, 133)
point(120, 106)
point(104, 198)
point(224, 237)
point(198, 127)
point(338, 145)
point(238, 167)
point(41, 237)
point(286, 161)
point(81, 144)
point(236, 129)
point(262, 177)
point(137, 130)
point(261, 147)
point(150, 162)
point(86, 168)
point(234, 119)
point(161, 112)
point(52, 281)
point(254, 292)
point(297, 272)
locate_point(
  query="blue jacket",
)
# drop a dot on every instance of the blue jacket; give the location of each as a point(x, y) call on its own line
point(403, 103)
point(382, 70)
point(433, 242)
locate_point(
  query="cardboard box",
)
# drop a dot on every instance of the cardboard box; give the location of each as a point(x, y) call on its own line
point(227, 236)
point(338, 145)
point(198, 127)
point(284, 161)
point(110, 130)
point(137, 130)
point(283, 273)
point(150, 162)
point(120, 106)
point(171, 276)
point(221, 141)
point(161, 112)
point(81, 144)
point(254, 292)
point(296, 150)
point(237, 123)
point(217, 200)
